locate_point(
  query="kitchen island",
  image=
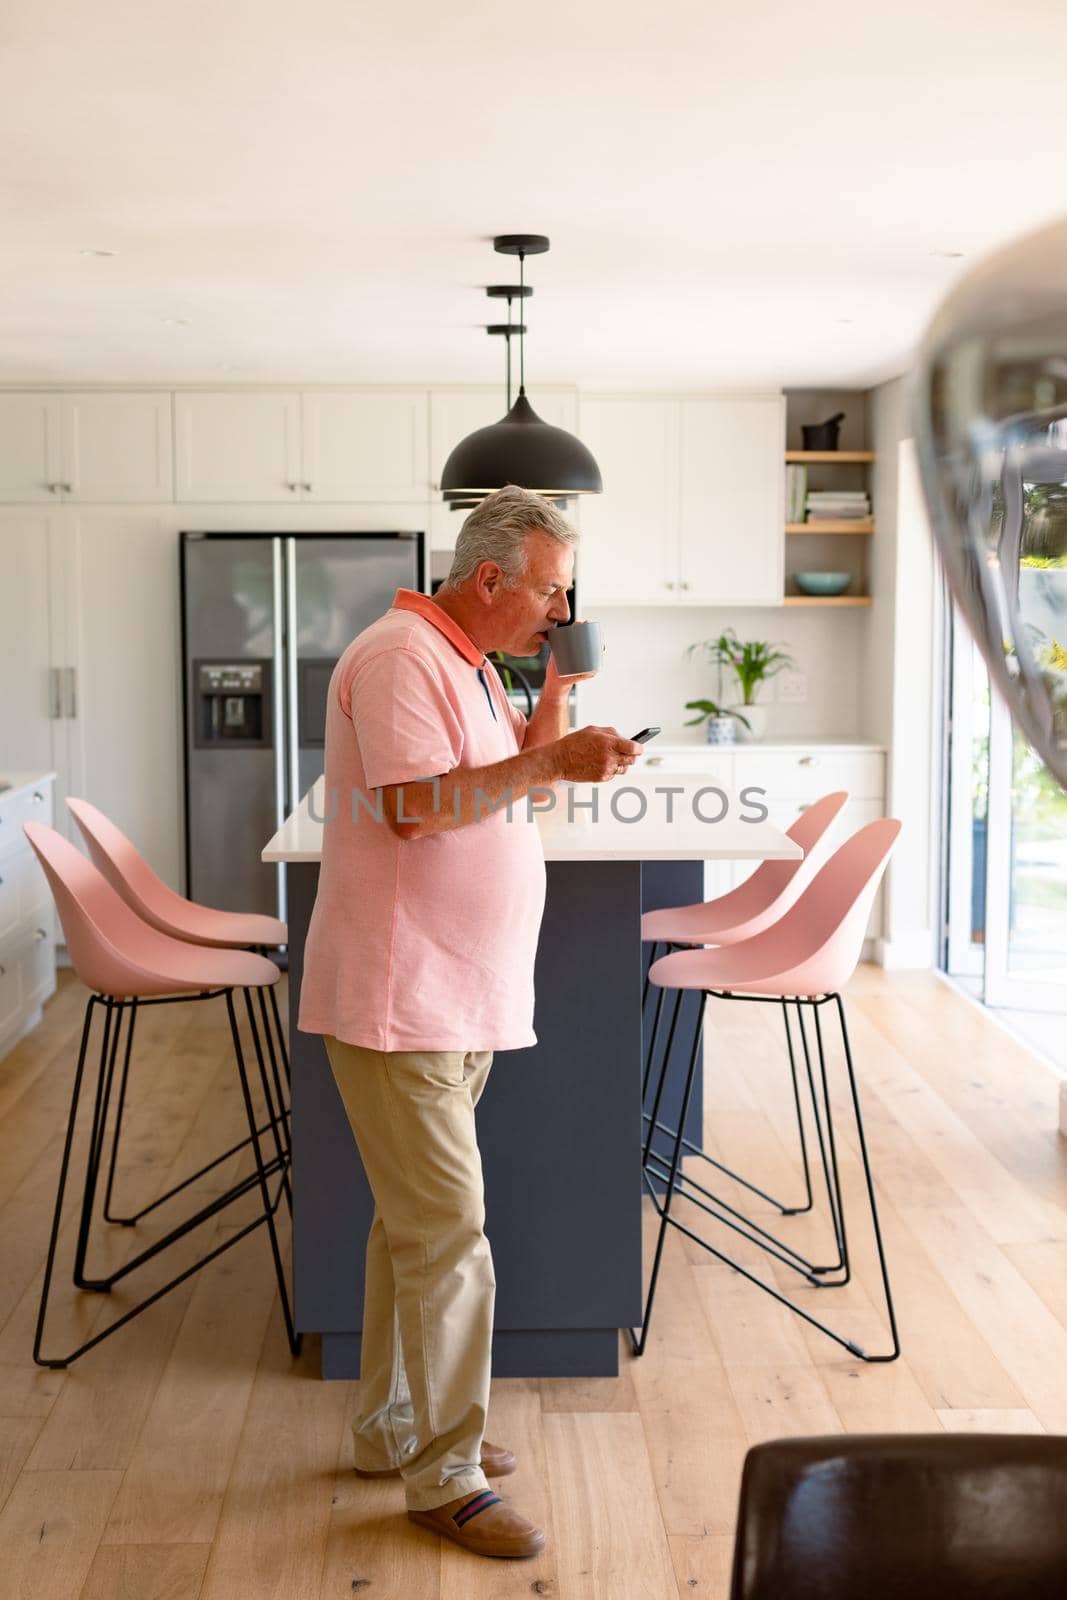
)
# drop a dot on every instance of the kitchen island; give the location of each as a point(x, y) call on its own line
point(559, 1123)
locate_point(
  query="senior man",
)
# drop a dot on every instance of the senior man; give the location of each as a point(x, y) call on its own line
point(419, 964)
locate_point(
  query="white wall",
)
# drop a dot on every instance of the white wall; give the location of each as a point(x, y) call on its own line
point(646, 678)
point(900, 675)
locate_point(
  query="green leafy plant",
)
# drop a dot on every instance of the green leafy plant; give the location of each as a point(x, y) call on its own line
point(751, 660)
point(708, 708)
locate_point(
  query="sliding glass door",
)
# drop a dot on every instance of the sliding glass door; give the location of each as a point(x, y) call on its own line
point(1006, 879)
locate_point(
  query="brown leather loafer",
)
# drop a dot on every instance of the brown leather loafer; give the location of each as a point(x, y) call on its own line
point(496, 1463)
point(484, 1524)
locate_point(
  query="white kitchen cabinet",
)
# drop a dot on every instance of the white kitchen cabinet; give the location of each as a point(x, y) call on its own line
point(333, 446)
point(117, 448)
point(27, 917)
point(456, 412)
point(28, 684)
point(89, 676)
point(629, 548)
point(106, 446)
point(365, 445)
point(731, 546)
point(238, 446)
point(125, 734)
point(30, 447)
point(692, 508)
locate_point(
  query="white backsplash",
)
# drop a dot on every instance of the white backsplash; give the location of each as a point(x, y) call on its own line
point(646, 679)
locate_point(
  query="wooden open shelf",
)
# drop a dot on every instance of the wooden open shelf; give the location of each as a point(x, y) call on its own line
point(844, 456)
point(832, 525)
point(827, 600)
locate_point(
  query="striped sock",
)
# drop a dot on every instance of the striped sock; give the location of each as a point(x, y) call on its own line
point(481, 1502)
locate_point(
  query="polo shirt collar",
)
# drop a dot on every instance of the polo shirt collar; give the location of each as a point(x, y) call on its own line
point(412, 600)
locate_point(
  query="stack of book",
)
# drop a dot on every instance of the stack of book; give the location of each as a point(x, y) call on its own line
point(796, 488)
point(837, 505)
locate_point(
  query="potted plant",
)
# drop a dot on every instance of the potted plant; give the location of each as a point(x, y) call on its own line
point(752, 661)
point(719, 721)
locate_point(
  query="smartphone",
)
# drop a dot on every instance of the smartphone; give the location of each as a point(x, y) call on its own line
point(645, 735)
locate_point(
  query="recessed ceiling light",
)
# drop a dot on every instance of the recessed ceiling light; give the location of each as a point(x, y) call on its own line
point(98, 252)
point(947, 255)
point(844, 319)
point(176, 322)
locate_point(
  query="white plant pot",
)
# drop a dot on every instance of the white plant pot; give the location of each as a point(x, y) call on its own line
point(720, 730)
point(757, 720)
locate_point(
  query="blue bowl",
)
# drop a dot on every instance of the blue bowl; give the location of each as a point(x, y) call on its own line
point(824, 583)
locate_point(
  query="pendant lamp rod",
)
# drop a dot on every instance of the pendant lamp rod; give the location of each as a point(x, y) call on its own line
point(522, 337)
point(507, 341)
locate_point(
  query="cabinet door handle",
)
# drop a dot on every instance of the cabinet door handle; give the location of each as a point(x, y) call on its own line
point(306, 487)
point(808, 761)
point(670, 583)
point(292, 487)
point(39, 936)
point(71, 680)
point(684, 584)
point(38, 797)
point(54, 488)
point(55, 693)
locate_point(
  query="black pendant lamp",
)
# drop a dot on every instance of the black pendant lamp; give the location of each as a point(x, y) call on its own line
point(520, 448)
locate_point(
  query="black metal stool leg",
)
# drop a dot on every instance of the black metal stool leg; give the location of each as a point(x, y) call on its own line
point(797, 1211)
point(272, 1120)
point(829, 1154)
point(638, 1345)
point(126, 1222)
point(283, 1113)
point(295, 1339)
point(87, 1024)
point(108, 1053)
point(870, 1187)
point(648, 968)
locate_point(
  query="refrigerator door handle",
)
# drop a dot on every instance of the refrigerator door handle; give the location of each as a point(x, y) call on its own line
point(293, 719)
point(278, 711)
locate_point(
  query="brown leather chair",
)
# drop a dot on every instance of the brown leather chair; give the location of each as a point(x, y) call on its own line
point(947, 1516)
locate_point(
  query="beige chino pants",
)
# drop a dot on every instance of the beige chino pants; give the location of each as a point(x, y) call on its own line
point(426, 1355)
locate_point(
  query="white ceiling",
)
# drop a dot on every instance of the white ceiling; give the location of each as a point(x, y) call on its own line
point(763, 192)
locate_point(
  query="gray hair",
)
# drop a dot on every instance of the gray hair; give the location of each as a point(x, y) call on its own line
point(496, 531)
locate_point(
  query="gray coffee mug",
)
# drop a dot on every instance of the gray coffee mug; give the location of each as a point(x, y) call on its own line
point(576, 648)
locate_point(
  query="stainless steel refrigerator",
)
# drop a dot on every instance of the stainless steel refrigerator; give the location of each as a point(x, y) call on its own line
point(264, 619)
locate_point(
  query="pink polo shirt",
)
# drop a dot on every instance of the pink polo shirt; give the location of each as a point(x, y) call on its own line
point(421, 944)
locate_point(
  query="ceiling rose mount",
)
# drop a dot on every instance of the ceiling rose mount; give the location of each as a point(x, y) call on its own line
point(520, 448)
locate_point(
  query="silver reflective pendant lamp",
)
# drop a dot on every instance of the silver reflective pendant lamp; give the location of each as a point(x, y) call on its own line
point(990, 402)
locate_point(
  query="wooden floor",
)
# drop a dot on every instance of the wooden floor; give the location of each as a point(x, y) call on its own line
point(190, 1457)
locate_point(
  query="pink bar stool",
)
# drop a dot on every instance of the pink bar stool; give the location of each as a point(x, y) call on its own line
point(741, 913)
point(806, 957)
point(122, 960)
point(129, 874)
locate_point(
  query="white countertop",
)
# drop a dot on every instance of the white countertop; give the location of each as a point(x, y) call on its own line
point(791, 746)
point(14, 781)
point(569, 833)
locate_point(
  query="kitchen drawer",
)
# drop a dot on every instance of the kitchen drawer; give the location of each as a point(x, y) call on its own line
point(32, 804)
point(37, 965)
point(23, 891)
point(716, 760)
point(806, 775)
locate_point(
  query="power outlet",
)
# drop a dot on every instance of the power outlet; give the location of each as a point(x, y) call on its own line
point(792, 688)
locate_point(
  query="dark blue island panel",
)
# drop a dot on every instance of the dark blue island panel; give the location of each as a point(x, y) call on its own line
point(559, 1127)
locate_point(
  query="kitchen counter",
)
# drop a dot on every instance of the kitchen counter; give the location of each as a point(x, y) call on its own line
point(560, 1124)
